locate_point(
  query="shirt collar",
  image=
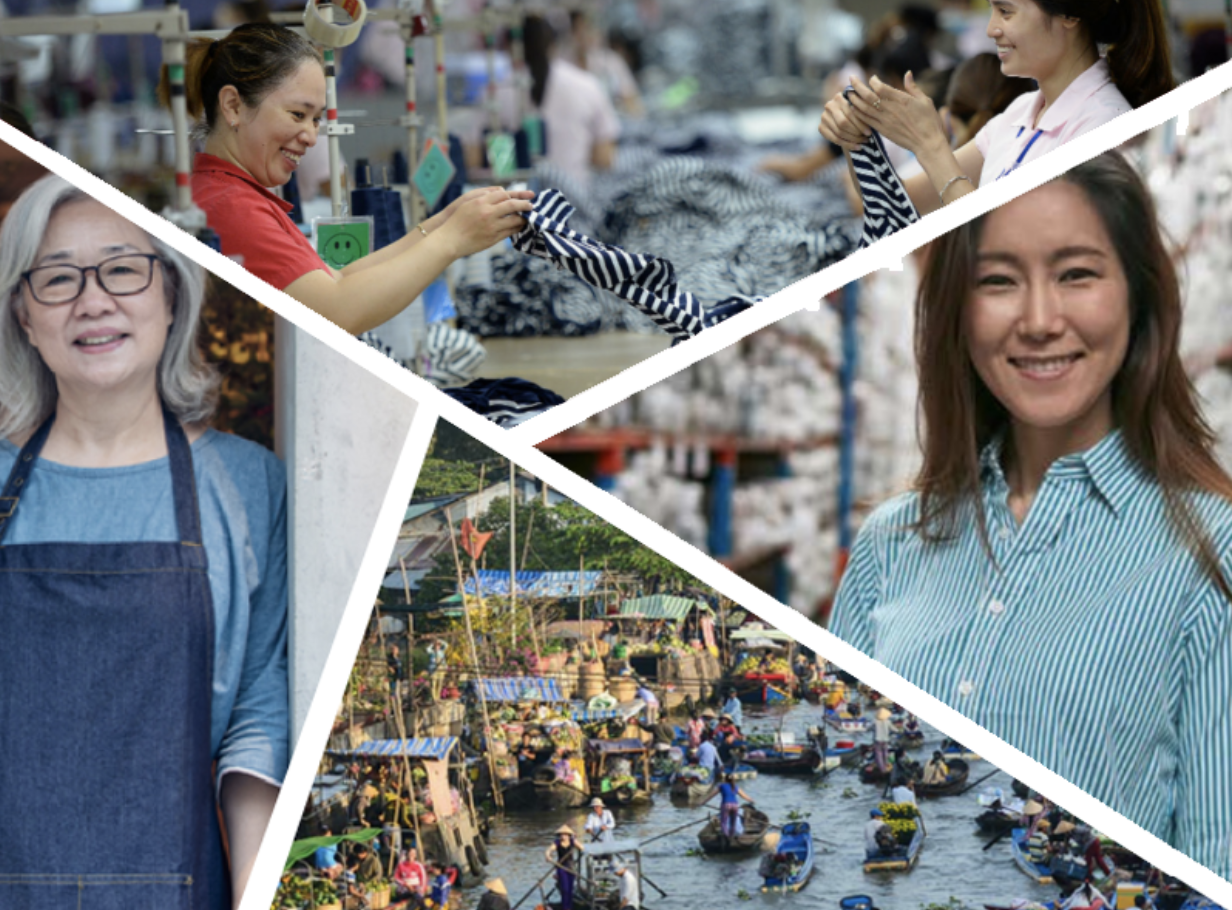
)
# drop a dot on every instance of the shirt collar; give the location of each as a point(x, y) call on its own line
point(1071, 102)
point(1108, 466)
point(206, 163)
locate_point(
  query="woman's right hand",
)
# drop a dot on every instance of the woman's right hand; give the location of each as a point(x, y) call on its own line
point(842, 124)
point(483, 220)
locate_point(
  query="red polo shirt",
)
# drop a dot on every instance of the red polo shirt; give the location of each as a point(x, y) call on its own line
point(252, 222)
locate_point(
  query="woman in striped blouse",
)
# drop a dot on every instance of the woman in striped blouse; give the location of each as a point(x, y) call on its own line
point(1069, 512)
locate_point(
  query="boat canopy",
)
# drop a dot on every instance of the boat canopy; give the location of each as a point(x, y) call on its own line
point(663, 606)
point(612, 848)
point(436, 748)
point(615, 746)
point(520, 688)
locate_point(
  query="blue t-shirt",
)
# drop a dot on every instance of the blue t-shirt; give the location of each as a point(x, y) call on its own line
point(728, 795)
point(242, 492)
point(440, 890)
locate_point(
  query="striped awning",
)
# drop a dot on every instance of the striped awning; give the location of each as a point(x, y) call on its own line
point(623, 711)
point(519, 688)
point(434, 747)
point(662, 606)
point(495, 583)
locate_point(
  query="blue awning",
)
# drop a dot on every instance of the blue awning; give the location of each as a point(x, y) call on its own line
point(495, 583)
point(434, 747)
point(520, 688)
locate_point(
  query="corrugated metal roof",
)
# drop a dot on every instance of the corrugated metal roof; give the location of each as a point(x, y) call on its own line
point(662, 606)
point(421, 507)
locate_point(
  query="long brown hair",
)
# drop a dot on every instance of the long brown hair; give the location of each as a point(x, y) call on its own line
point(979, 91)
point(1153, 402)
point(1137, 36)
point(255, 58)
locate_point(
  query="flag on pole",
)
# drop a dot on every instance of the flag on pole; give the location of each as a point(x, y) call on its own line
point(473, 541)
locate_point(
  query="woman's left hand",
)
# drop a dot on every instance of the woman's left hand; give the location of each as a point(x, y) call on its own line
point(908, 119)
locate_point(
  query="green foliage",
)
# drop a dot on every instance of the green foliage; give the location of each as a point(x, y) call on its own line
point(438, 477)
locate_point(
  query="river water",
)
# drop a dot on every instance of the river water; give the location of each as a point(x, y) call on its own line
point(952, 863)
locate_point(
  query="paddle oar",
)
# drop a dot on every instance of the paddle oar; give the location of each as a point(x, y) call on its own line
point(998, 838)
point(646, 879)
point(978, 782)
point(696, 821)
point(532, 889)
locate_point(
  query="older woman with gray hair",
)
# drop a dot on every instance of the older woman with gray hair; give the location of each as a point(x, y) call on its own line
point(142, 575)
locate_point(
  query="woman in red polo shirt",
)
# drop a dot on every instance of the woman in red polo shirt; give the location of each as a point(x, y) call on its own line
point(261, 94)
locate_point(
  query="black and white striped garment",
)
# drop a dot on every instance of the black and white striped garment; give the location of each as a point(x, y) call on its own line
point(448, 356)
point(647, 282)
point(887, 207)
point(506, 402)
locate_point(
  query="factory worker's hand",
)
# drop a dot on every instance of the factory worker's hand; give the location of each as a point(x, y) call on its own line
point(483, 220)
point(443, 216)
point(842, 124)
point(908, 119)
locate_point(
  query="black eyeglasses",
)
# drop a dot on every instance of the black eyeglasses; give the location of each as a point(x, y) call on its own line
point(120, 276)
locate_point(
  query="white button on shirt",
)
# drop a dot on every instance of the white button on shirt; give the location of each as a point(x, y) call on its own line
point(966, 687)
point(1090, 101)
point(1005, 533)
point(995, 607)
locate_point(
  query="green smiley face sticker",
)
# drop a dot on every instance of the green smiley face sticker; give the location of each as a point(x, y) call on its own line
point(341, 244)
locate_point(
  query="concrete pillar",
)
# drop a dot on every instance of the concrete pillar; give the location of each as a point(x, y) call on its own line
point(340, 432)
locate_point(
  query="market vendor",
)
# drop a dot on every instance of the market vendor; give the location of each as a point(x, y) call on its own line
point(563, 854)
point(260, 92)
point(600, 824)
point(163, 540)
point(1055, 42)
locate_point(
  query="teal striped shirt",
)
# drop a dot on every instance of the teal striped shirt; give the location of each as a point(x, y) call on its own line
point(1099, 647)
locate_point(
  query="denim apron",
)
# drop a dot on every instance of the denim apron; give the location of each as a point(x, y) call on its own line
point(106, 660)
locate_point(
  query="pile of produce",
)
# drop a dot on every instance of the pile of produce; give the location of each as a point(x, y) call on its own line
point(901, 818)
point(752, 665)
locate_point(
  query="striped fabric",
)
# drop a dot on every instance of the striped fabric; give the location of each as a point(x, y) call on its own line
point(1099, 648)
point(887, 207)
point(506, 402)
point(517, 688)
point(435, 747)
point(449, 356)
point(647, 282)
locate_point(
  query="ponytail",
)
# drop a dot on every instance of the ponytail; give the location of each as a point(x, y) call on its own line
point(538, 37)
point(255, 58)
point(1137, 38)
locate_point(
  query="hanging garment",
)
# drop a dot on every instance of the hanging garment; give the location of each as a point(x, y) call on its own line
point(647, 282)
point(887, 207)
point(506, 402)
point(447, 357)
point(108, 652)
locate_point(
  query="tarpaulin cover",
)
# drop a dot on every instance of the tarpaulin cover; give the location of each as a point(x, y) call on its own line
point(302, 849)
point(616, 745)
point(433, 747)
point(518, 688)
point(495, 582)
point(662, 606)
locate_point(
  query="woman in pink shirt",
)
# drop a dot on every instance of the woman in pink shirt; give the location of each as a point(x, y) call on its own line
point(409, 875)
point(1056, 43)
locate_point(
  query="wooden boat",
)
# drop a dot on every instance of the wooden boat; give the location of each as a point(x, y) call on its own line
point(790, 867)
point(952, 750)
point(786, 758)
point(996, 823)
point(551, 792)
point(902, 860)
point(765, 688)
point(690, 786)
point(847, 724)
point(1037, 872)
point(743, 771)
point(908, 739)
point(631, 786)
point(756, 823)
point(954, 781)
point(871, 774)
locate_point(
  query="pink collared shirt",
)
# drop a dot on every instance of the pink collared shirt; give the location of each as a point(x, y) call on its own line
point(1090, 101)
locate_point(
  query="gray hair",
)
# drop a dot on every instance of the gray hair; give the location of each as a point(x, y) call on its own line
point(187, 385)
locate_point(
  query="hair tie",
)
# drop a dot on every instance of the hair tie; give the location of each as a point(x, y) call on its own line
point(211, 51)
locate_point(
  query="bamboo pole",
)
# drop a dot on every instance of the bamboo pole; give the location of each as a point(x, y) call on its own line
point(513, 543)
point(497, 795)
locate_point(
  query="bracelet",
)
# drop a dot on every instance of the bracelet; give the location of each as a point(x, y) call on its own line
point(421, 229)
point(954, 181)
